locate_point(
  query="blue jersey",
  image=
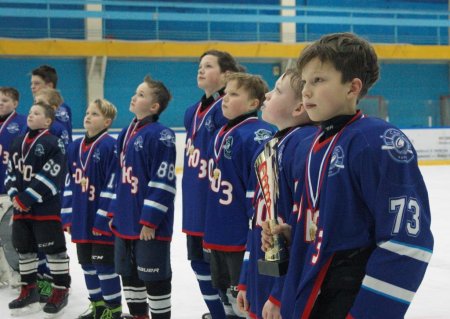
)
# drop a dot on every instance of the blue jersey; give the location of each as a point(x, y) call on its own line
point(145, 183)
point(290, 173)
point(64, 117)
point(89, 171)
point(12, 127)
point(363, 188)
point(200, 128)
point(229, 170)
point(59, 130)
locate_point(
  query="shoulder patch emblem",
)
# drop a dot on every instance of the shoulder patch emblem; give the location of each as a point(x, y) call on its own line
point(167, 137)
point(96, 155)
point(261, 135)
point(336, 161)
point(13, 127)
point(39, 150)
point(62, 114)
point(397, 145)
point(138, 143)
point(227, 147)
point(209, 124)
point(62, 146)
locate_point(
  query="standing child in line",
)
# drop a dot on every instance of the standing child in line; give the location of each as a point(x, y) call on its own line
point(229, 170)
point(201, 121)
point(12, 125)
point(282, 108)
point(143, 206)
point(36, 171)
point(91, 161)
point(363, 241)
point(53, 98)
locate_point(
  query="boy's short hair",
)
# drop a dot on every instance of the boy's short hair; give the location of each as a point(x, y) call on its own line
point(295, 82)
point(47, 73)
point(11, 92)
point(54, 97)
point(351, 55)
point(160, 93)
point(253, 84)
point(107, 109)
point(49, 111)
point(226, 61)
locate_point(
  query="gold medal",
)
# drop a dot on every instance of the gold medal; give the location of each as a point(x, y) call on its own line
point(216, 173)
point(83, 182)
point(313, 231)
point(191, 150)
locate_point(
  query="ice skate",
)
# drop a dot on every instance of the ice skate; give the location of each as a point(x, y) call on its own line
point(94, 311)
point(56, 302)
point(27, 302)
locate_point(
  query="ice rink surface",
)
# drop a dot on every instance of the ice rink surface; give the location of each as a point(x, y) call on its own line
point(432, 301)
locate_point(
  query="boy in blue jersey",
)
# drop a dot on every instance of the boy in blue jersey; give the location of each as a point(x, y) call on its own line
point(229, 170)
point(36, 171)
point(201, 121)
point(282, 108)
point(12, 125)
point(45, 76)
point(362, 241)
point(91, 161)
point(142, 208)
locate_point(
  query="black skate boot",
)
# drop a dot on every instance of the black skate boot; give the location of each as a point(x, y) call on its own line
point(27, 302)
point(95, 310)
point(56, 302)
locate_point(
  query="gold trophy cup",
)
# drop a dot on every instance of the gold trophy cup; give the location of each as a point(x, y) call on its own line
point(275, 261)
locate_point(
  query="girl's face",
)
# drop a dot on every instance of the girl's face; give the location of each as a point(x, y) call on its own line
point(94, 120)
point(36, 118)
point(210, 77)
point(7, 104)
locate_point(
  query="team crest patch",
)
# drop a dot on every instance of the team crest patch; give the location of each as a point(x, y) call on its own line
point(62, 114)
point(138, 144)
point(96, 155)
point(167, 137)
point(39, 150)
point(65, 137)
point(13, 127)
point(261, 135)
point(209, 124)
point(337, 161)
point(62, 146)
point(397, 145)
point(227, 147)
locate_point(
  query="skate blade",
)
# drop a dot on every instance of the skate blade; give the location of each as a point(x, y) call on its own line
point(54, 315)
point(28, 310)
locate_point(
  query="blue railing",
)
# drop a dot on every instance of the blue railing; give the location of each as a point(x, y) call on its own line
point(139, 20)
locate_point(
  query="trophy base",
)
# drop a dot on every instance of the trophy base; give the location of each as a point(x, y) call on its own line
point(276, 268)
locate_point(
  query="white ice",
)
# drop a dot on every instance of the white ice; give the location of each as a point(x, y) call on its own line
point(432, 301)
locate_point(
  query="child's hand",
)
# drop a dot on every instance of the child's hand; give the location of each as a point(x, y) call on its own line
point(67, 229)
point(95, 233)
point(147, 233)
point(242, 301)
point(271, 311)
point(18, 207)
point(267, 234)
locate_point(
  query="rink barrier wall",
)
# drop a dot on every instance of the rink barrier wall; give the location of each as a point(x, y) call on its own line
point(432, 145)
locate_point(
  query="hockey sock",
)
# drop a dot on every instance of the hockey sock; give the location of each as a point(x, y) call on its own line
point(135, 295)
point(28, 264)
point(210, 294)
point(109, 282)
point(43, 270)
point(159, 293)
point(92, 282)
point(59, 269)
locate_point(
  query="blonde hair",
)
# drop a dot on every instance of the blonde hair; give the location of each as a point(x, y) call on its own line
point(53, 97)
point(253, 84)
point(107, 109)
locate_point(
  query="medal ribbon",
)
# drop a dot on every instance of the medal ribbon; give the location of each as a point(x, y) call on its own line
point(86, 162)
point(31, 146)
point(126, 140)
point(6, 122)
point(195, 129)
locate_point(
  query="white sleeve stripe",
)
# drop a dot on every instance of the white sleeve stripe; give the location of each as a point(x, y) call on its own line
point(250, 194)
point(163, 186)
point(102, 212)
point(47, 183)
point(388, 290)
point(211, 297)
point(247, 255)
point(415, 252)
point(67, 193)
point(34, 194)
point(12, 191)
point(12, 178)
point(108, 195)
point(203, 277)
point(156, 205)
point(66, 210)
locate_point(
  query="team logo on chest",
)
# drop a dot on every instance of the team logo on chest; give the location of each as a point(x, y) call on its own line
point(167, 137)
point(138, 144)
point(227, 148)
point(261, 135)
point(13, 127)
point(39, 150)
point(397, 145)
point(62, 114)
point(336, 161)
point(209, 124)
